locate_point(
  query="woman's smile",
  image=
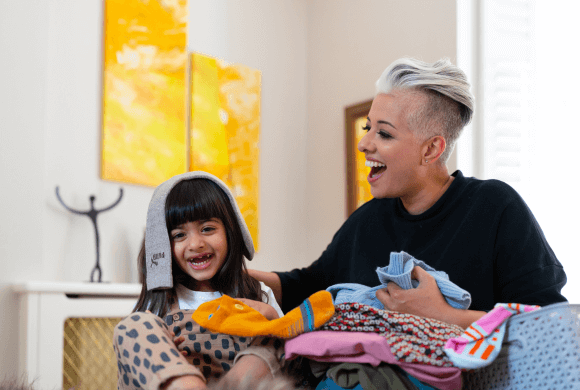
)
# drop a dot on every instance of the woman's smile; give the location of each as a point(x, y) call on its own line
point(377, 169)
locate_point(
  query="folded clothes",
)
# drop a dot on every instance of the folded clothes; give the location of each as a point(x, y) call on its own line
point(411, 338)
point(481, 342)
point(399, 271)
point(366, 348)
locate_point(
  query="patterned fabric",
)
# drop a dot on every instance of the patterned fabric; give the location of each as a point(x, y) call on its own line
point(212, 353)
point(481, 342)
point(413, 339)
point(147, 356)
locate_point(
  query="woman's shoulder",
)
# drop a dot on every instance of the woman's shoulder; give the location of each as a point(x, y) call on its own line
point(370, 211)
point(372, 207)
point(491, 189)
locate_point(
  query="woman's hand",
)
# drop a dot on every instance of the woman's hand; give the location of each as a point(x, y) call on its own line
point(266, 310)
point(426, 300)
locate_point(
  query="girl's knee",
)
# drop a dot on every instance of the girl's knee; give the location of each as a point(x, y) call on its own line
point(149, 320)
point(145, 326)
point(269, 349)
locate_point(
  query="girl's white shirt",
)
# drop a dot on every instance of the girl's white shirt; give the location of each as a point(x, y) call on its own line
point(191, 300)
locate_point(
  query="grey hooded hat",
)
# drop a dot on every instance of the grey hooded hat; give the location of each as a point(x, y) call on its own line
point(157, 242)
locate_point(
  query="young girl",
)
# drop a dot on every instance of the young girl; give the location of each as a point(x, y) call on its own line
point(194, 248)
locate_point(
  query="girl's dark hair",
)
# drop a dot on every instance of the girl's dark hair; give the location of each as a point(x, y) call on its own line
point(189, 201)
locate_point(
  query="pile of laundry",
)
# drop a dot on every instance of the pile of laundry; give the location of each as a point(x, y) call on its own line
point(353, 342)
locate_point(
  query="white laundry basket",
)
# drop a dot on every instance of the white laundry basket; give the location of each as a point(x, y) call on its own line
point(541, 350)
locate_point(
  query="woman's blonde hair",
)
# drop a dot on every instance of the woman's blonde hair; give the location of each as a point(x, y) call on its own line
point(447, 104)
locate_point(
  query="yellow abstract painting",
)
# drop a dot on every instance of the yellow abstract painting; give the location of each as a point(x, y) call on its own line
point(225, 129)
point(146, 137)
point(363, 187)
point(144, 91)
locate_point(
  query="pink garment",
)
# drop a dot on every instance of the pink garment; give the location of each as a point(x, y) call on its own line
point(481, 342)
point(366, 347)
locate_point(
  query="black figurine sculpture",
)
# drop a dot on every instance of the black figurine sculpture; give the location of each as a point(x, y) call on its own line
point(92, 214)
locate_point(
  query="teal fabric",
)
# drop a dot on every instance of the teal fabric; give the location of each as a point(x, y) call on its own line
point(328, 384)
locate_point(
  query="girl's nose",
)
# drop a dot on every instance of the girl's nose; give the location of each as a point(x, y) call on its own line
point(195, 242)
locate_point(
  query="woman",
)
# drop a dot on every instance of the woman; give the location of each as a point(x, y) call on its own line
point(480, 232)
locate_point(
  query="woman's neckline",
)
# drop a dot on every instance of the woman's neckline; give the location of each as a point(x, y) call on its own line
point(433, 209)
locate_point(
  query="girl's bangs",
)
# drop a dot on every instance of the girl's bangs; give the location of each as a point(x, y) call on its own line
point(190, 201)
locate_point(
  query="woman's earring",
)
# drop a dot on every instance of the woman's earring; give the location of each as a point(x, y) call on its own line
point(426, 161)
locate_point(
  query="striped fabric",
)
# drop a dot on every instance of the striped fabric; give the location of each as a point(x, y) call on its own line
point(231, 316)
point(481, 342)
point(307, 318)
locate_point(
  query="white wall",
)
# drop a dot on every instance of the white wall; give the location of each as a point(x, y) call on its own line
point(554, 138)
point(23, 61)
point(270, 36)
point(316, 57)
point(50, 107)
point(350, 43)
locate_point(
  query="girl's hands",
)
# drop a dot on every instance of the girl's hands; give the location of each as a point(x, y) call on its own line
point(177, 341)
point(266, 310)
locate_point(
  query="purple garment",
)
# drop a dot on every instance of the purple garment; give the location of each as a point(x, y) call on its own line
point(365, 347)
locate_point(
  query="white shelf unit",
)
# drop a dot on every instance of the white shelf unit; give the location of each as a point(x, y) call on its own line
point(44, 308)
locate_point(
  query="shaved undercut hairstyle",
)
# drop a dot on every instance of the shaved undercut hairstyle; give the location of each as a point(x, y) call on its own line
point(440, 102)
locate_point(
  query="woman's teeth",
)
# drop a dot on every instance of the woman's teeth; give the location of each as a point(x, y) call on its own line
point(376, 167)
point(374, 164)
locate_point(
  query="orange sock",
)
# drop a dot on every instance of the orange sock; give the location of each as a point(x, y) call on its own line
point(230, 316)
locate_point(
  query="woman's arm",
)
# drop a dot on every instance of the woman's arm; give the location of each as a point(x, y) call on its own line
point(526, 268)
point(271, 280)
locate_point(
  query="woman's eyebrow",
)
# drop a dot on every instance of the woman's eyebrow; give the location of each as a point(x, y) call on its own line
point(383, 122)
point(386, 123)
